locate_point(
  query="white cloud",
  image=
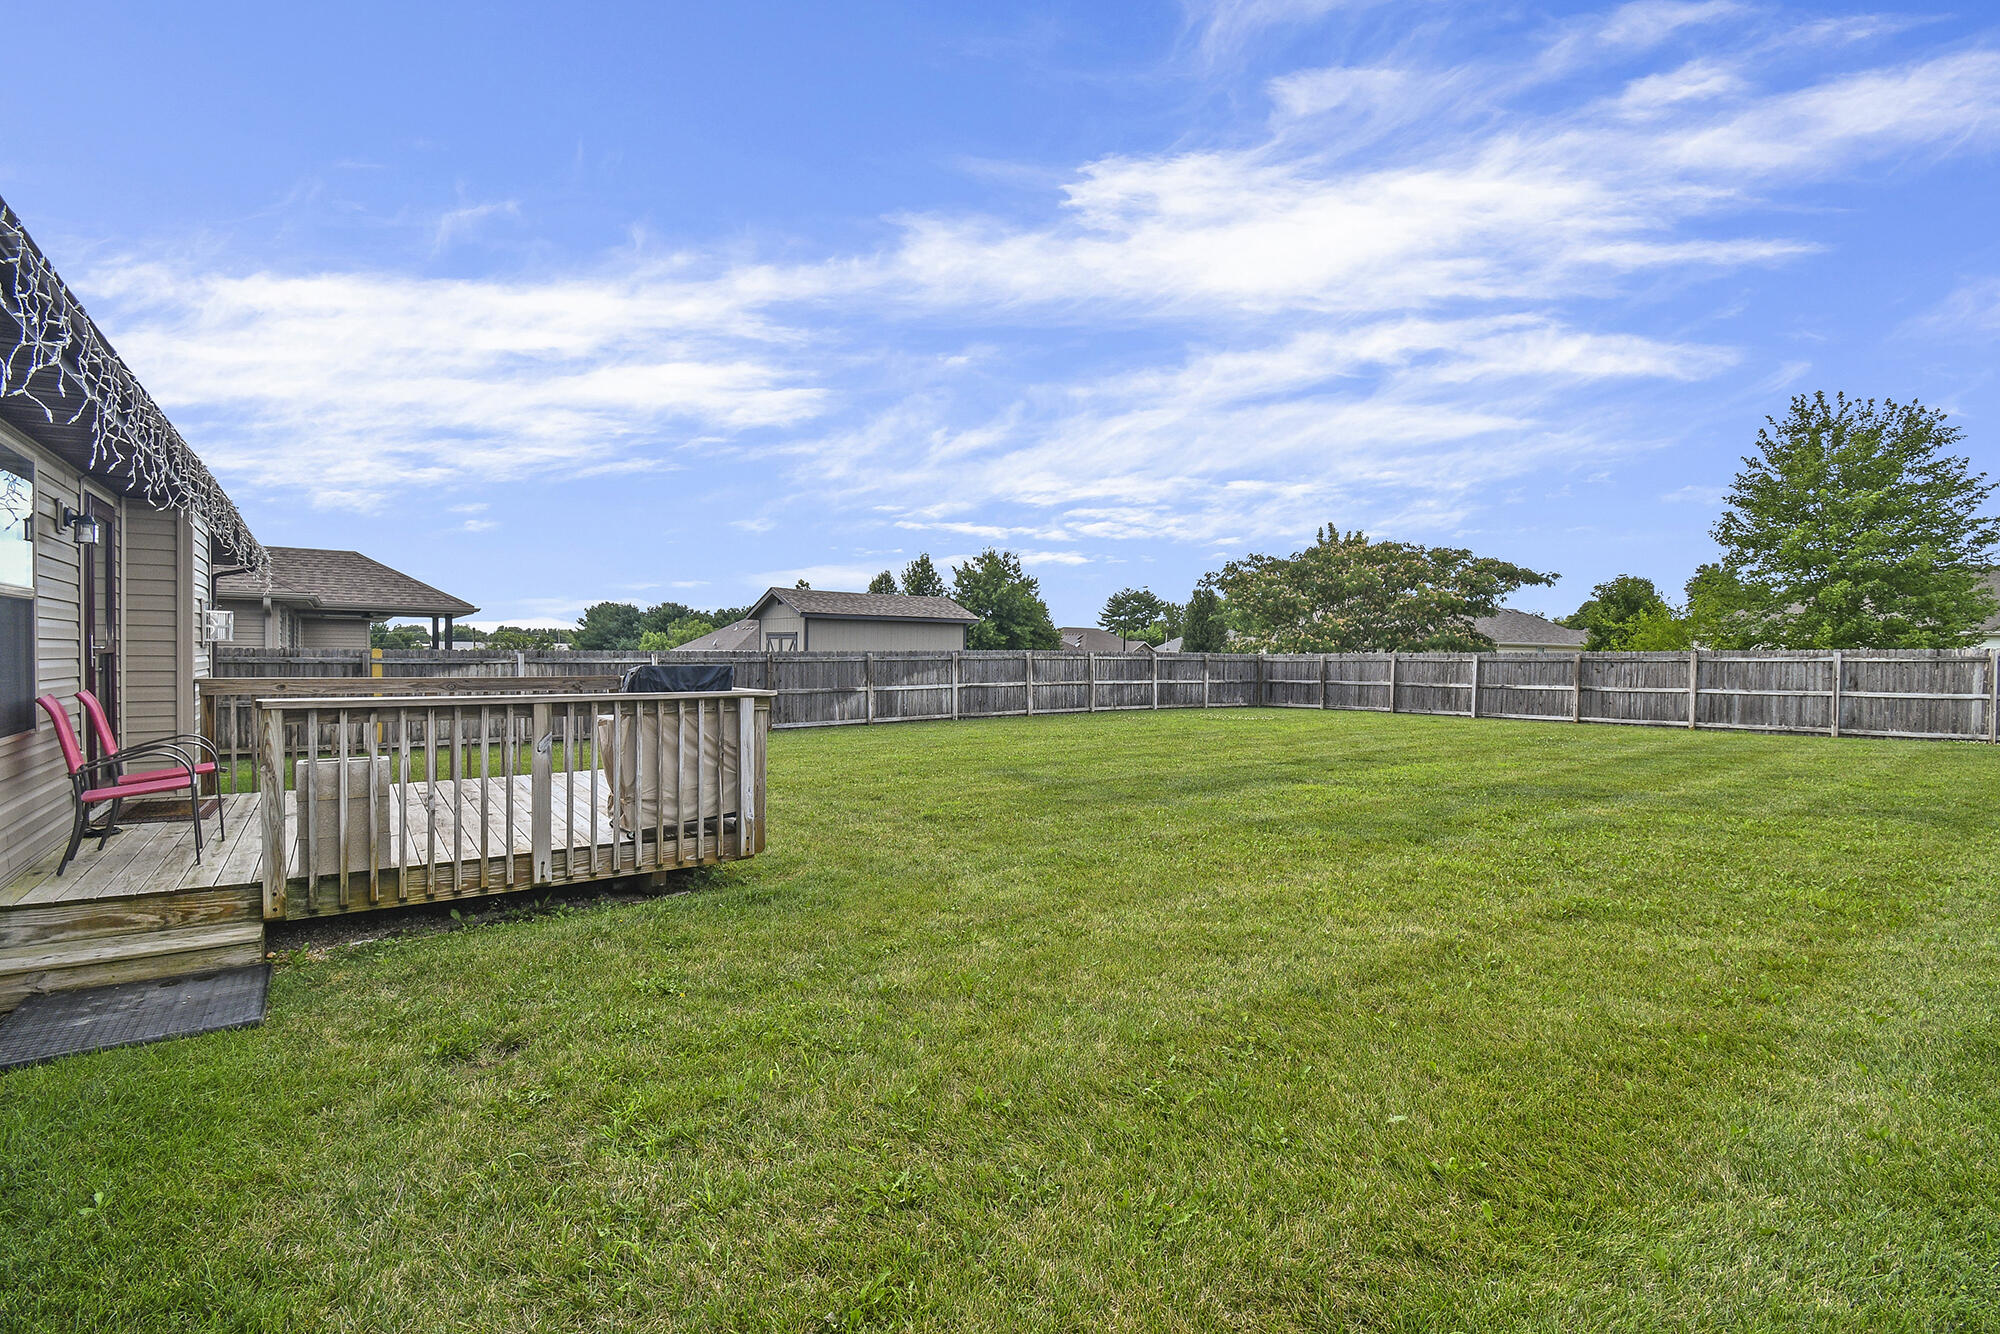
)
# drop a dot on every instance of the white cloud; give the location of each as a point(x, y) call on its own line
point(1290, 329)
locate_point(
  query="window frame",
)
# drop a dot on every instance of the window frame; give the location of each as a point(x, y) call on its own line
point(17, 717)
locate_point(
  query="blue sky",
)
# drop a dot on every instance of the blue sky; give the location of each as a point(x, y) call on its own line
point(547, 304)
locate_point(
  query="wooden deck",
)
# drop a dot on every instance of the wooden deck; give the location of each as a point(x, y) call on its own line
point(464, 827)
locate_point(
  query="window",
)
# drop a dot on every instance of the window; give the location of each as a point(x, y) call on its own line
point(17, 594)
point(788, 643)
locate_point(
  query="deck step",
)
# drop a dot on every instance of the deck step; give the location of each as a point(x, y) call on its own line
point(61, 946)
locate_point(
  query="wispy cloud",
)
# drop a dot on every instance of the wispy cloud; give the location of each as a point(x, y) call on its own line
point(1283, 327)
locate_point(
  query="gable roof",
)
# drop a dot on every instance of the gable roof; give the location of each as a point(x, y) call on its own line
point(341, 581)
point(866, 606)
point(1508, 626)
point(736, 637)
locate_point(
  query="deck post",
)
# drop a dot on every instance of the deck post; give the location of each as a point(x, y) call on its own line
point(746, 777)
point(271, 781)
point(542, 798)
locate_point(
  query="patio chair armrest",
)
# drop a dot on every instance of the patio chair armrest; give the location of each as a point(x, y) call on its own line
point(175, 746)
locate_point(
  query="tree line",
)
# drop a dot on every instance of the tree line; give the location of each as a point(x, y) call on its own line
point(1850, 525)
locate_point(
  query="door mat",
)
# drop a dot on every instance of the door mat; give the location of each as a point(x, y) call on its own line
point(67, 1023)
point(165, 810)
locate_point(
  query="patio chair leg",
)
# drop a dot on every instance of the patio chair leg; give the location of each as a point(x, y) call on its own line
point(75, 838)
point(110, 825)
point(194, 818)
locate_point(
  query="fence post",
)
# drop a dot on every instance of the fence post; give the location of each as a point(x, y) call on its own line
point(868, 682)
point(1392, 680)
point(1576, 689)
point(1028, 680)
point(1833, 723)
point(520, 663)
point(956, 674)
point(1694, 683)
point(1091, 659)
point(1156, 678)
point(1475, 685)
point(1325, 670)
point(1993, 695)
point(541, 802)
point(271, 781)
point(1261, 689)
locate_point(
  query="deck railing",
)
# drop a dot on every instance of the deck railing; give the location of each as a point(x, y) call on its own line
point(409, 798)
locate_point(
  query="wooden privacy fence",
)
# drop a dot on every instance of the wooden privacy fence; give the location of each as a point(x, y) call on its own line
point(407, 798)
point(1940, 694)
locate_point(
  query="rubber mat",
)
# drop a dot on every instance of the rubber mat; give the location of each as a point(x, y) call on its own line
point(67, 1023)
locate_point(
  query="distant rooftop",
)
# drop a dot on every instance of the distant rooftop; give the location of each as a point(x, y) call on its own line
point(341, 581)
point(866, 606)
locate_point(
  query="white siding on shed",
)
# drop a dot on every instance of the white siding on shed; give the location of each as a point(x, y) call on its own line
point(332, 631)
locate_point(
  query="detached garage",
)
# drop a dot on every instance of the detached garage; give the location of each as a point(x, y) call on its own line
point(806, 620)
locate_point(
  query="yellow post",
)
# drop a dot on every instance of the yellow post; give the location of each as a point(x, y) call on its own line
point(375, 662)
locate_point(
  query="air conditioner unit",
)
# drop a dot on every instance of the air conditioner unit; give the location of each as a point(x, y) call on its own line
point(217, 626)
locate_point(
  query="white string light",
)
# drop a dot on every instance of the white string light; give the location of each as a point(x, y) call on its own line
point(131, 440)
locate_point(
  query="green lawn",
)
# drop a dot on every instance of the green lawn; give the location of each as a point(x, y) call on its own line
point(1243, 1019)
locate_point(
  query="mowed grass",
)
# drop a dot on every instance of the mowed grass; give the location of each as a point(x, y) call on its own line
point(1244, 1019)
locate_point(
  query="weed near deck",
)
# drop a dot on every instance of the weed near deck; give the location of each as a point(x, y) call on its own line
point(1251, 1019)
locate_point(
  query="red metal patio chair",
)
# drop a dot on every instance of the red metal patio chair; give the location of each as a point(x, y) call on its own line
point(99, 781)
point(186, 744)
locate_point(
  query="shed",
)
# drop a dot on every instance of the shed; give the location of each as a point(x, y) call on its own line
point(814, 620)
point(319, 598)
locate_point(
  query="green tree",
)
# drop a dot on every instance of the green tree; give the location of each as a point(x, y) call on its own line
point(1616, 608)
point(1129, 612)
point(1007, 601)
point(381, 635)
point(609, 625)
point(921, 579)
point(884, 582)
point(1205, 631)
point(801, 584)
point(675, 633)
point(1850, 527)
point(1716, 610)
point(1347, 594)
point(512, 637)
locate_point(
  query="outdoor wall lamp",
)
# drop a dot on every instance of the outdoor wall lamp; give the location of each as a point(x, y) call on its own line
point(86, 528)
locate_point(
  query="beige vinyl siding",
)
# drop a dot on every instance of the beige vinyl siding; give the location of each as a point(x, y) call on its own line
point(332, 632)
point(839, 635)
point(34, 786)
point(779, 619)
point(201, 583)
point(155, 661)
point(249, 623)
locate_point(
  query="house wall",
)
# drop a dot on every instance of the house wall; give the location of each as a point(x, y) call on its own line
point(333, 631)
point(34, 786)
point(845, 635)
point(782, 620)
point(253, 630)
point(158, 639)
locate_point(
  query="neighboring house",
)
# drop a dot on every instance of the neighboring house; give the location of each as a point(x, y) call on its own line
point(737, 637)
point(1990, 632)
point(327, 599)
point(109, 528)
point(1524, 632)
point(809, 620)
point(1090, 639)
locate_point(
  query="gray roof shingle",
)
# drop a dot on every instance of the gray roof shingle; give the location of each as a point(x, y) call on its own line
point(341, 581)
point(872, 606)
point(1508, 626)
